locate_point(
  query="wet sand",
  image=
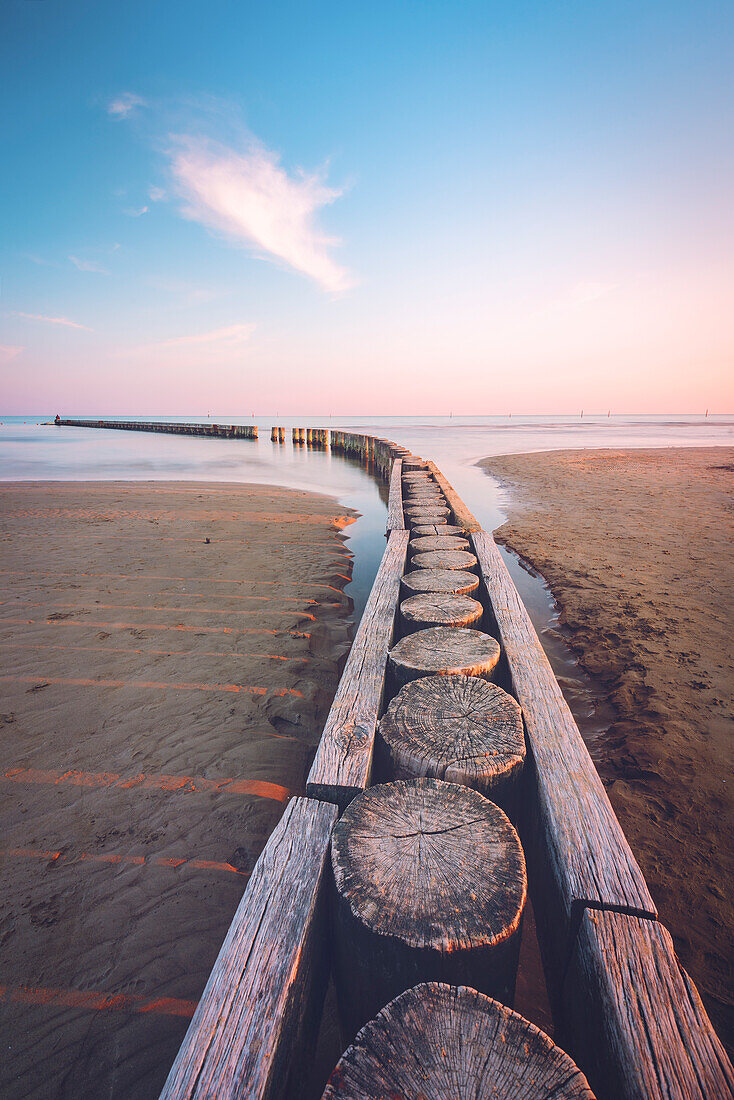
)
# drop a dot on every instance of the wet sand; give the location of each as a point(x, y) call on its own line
point(637, 548)
point(169, 654)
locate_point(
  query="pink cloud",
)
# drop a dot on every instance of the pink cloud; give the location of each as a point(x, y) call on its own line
point(248, 197)
point(8, 352)
point(52, 320)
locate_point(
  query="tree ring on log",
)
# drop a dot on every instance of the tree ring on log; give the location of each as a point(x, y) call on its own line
point(426, 515)
point(444, 559)
point(427, 529)
point(442, 650)
point(430, 886)
point(442, 1042)
point(420, 545)
point(458, 728)
point(439, 609)
point(452, 581)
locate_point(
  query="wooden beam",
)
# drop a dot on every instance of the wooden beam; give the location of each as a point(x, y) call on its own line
point(263, 1000)
point(395, 521)
point(633, 1019)
point(578, 852)
point(343, 763)
point(463, 517)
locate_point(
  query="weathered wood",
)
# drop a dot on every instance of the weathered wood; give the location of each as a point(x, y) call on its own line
point(424, 498)
point(424, 545)
point(450, 581)
point(579, 854)
point(444, 559)
point(256, 1017)
point(458, 728)
point(442, 650)
point(634, 1018)
point(428, 529)
point(430, 886)
point(412, 510)
point(419, 517)
point(439, 609)
point(343, 763)
point(460, 512)
point(395, 521)
point(442, 1042)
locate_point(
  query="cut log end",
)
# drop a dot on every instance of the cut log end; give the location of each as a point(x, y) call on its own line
point(444, 559)
point(441, 1042)
point(441, 650)
point(439, 609)
point(428, 543)
point(458, 728)
point(439, 580)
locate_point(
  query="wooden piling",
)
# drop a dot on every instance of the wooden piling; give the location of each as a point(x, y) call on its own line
point(428, 543)
point(458, 728)
point(430, 885)
point(444, 559)
point(442, 650)
point(451, 581)
point(439, 609)
point(442, 1042)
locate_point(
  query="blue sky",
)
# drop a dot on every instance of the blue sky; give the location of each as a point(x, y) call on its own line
point(385, 208)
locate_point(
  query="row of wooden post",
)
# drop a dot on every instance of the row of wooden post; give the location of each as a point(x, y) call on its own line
point(624, 1008)
point(220, 431)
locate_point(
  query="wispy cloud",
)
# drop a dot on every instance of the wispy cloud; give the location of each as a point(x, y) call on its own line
point(88, 265)
point(8, 352)
point(52, 320)
point(157, 194)
point(135, 212)
point(249, 198)
point(125, 104)
point(230, 337)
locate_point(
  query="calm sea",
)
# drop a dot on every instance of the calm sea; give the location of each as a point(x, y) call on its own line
point(31, 451)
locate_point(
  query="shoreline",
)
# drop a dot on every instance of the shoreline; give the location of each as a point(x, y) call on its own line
point(633, 546)
point(170, 651)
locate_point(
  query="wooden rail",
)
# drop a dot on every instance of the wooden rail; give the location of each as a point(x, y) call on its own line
point(262, 1004)
point(343, 763)
point(624, 1008)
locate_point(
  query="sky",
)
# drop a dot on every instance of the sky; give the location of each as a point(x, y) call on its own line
point(373, 209)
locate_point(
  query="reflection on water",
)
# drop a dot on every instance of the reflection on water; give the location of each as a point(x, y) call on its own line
point(456, 444)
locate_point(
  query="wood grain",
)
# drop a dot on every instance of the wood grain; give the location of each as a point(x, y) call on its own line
point(439, 580)
point(428, 529)
point(395, 520)
point(461, 513)
point(458, 728)
point(439, 609)
point(430, 885)
point(256, 1017)
point(343, 762)
point(442, 650)
point(579, 854)
point(424, 544)
point(634, 1017)
point(444, 559)
point(442, 1042)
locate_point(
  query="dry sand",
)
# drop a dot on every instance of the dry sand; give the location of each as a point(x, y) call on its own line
point(636, 546)
point(169, 653)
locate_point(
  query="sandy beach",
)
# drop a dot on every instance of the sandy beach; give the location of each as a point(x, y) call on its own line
point(637, 548)
point(170, 651)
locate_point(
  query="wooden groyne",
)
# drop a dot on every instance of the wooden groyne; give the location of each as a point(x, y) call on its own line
point(218, 431)
point(624, 1010)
